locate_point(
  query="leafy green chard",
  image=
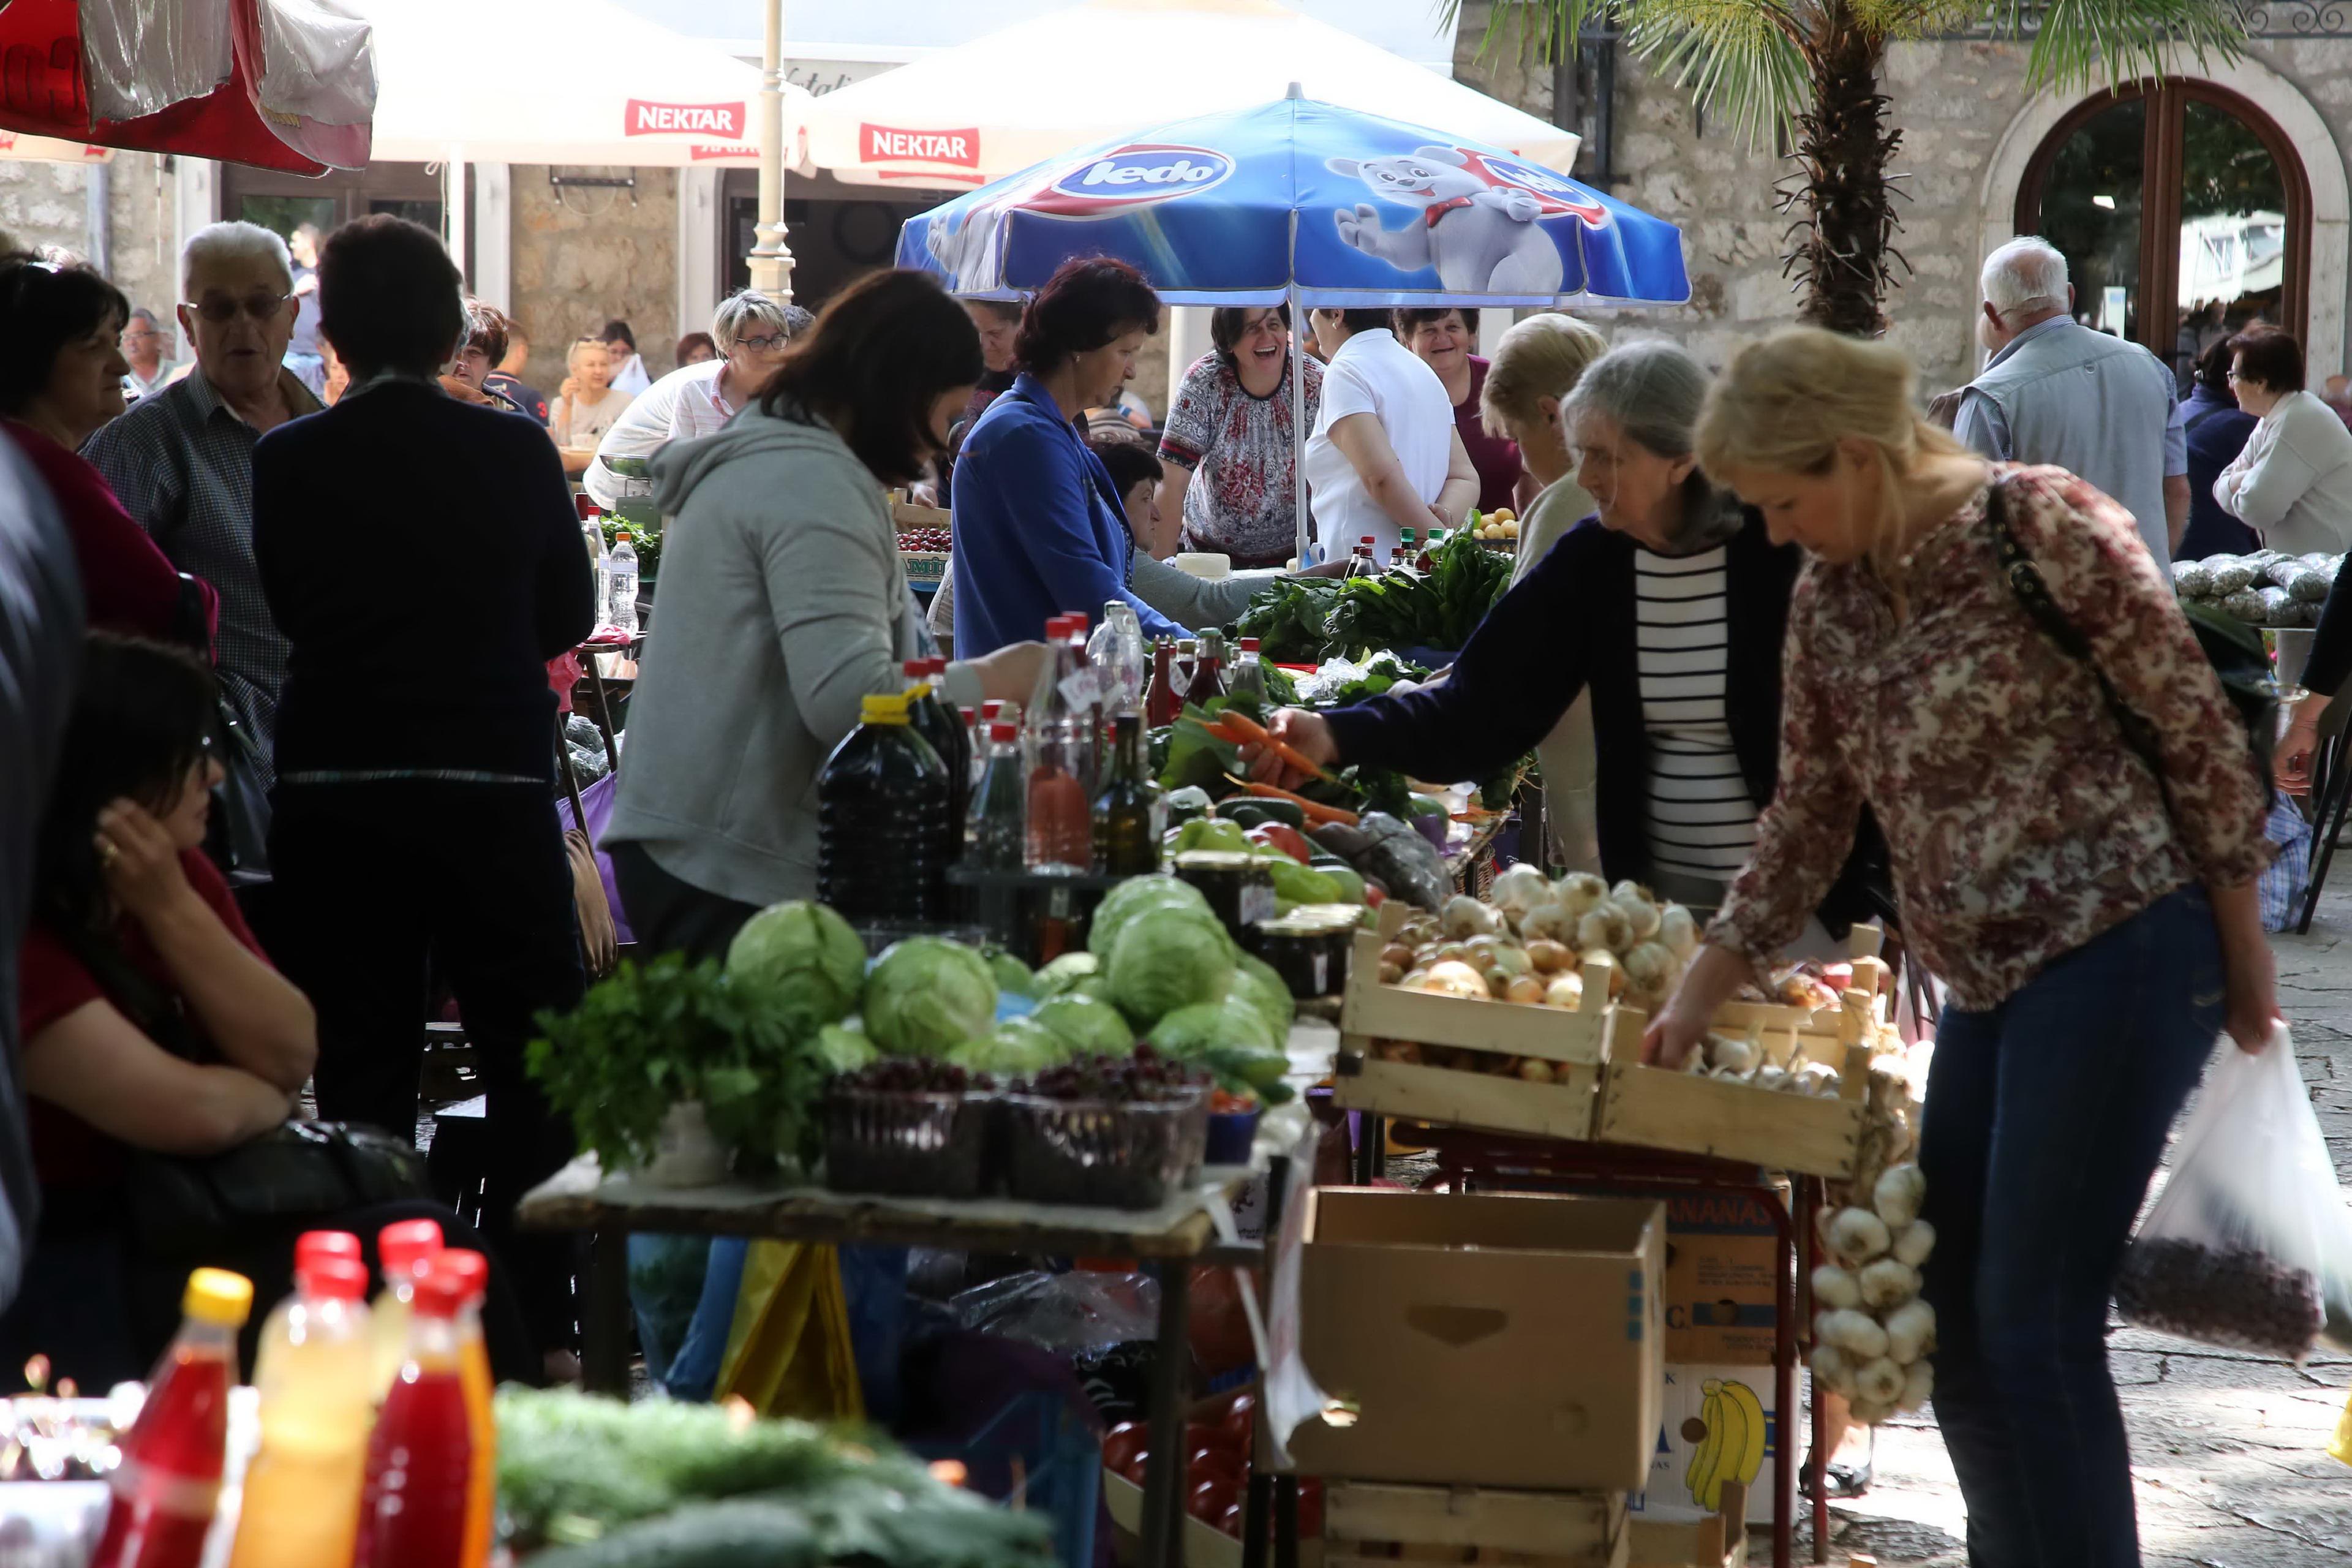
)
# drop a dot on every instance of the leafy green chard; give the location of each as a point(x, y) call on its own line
point(654, 1036)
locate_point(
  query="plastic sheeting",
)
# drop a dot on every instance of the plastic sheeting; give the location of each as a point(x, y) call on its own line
point(142, 57)
point(316, 61)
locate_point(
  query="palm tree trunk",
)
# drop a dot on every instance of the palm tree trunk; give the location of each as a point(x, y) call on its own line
point(1844, 226)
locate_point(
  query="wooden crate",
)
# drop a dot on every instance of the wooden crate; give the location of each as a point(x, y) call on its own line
point(1367, 1524)
point(1205, 1546)
point(1716, 1540)
point(906, 514)
point(1575, 1044)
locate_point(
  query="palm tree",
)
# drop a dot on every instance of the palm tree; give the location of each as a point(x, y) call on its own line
point(1809, 69)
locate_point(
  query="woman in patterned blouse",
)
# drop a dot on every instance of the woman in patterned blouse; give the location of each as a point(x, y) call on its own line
point(2093, 915)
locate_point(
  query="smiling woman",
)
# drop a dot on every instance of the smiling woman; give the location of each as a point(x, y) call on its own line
point(1230, 448)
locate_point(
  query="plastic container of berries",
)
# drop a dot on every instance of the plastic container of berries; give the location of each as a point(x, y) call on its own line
point(1106, 1131)
point(908, 1128)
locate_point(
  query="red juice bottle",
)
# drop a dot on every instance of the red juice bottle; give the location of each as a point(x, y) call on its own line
point(413, 1506)
point(168, 1483)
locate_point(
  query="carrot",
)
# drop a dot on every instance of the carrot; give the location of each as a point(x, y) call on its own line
point(1248, 729)
point(1314, 809)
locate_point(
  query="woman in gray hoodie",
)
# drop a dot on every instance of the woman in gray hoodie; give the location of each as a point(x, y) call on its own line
point(782, 603)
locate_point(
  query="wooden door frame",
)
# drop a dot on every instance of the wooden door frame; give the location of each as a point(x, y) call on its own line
point(2161, 160)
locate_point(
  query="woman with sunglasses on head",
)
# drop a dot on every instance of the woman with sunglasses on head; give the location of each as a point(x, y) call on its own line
point(61, 369)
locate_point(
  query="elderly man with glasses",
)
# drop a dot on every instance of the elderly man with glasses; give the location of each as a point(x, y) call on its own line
point(751, 331)
point(146, 344)
point(182, 458)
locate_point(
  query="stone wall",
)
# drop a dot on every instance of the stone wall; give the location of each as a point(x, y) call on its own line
point(582, 257)
point(47, 204)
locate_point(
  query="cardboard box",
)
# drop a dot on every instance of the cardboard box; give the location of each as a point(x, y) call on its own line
point(1722, 1264)
point(1699, 1401)
point(1496, 1339)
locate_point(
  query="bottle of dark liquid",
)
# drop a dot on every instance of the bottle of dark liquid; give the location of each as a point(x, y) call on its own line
point(1209, 675)
point(1428, 561)
point(1128, 811)
point(882, 815)
point(1161, 701)
point(1360, 562)
point(996, 834)
point(1401, 554)
point(935, 722)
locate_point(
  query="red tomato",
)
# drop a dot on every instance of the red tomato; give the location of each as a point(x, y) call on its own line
point(1125, 1443)
point(1310, 1507)
point(1284, 837)
point(1233, 1520)
point(1239, 1423)
point(1374, 894)
point(1210, 1497)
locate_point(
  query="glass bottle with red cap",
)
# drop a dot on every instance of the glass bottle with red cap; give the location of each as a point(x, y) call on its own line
point(420, 1464)
point(316, 1374)
point(401, 1250)
point(167, 1484)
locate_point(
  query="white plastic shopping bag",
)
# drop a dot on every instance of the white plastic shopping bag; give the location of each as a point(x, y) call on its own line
point(2249, 1247)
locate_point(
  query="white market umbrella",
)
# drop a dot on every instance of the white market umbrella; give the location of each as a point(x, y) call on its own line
point(560, 82)
point(972, 114)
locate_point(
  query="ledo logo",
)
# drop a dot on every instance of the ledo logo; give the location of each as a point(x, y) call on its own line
point(1135, 175)
point(1557, 193)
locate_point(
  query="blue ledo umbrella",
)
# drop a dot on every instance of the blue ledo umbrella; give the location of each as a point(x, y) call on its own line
point(1303, 201)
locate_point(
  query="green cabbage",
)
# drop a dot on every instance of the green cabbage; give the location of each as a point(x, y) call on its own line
point(1130, 898)
point(846, 1048)
point(1012, 974)
point(928, 996)
point(1255, 983)
point(1169, 958)
point(1065, 971)
point(1193, 1032)
point(1087, 1025)
point(1016, 1047)
point(804, 956)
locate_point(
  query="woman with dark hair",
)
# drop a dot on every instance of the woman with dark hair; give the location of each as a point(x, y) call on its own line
point(2292, 484)
point(1442, 338)
point(630, 375)
point(61, 370)
point(414, 829)
point(1385, 454)
point(468, 379)
point(1229, 445)
point(783, 605)
point(1038, 527)
point(2216, 428)
point(151, 1024)
point(696, 348)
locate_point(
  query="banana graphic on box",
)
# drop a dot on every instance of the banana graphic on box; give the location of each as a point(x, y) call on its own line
point(1733, 1449)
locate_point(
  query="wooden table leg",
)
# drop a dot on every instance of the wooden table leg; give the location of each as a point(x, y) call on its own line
point(1168, 1473)
point(604, 1359)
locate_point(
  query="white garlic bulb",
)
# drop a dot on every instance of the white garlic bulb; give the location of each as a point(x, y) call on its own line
point(1679, 931)
point(1900, 1191)
point(1577, 893)
point(1640, 914)
point(1889, 1283)
point(1858, 1236)
point(1910, 1332)
point(1919, 1386)
point(1878, 1382)
point(1730, 1052)
point(1520, 888)
point(1857, 1333)
point(1918, 1240)
point(1834, 1287)
point(1649, 966)
point(1834, 1370)
point(1604, 925)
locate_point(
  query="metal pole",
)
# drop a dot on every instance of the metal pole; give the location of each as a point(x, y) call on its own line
point(771, 258)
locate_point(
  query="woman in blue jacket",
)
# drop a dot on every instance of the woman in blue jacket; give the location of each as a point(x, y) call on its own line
point(1039, 529)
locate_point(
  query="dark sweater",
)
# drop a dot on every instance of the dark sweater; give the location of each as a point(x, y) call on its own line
point(2218, 429)
point(424, 560)
point(1569, 624)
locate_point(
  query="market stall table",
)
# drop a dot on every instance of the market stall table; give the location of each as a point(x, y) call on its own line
point(1173, 1238)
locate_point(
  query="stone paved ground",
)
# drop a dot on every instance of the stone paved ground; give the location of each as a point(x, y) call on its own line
point(2229, 1452)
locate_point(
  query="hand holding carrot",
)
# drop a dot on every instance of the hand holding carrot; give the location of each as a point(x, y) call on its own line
point(1295, 747)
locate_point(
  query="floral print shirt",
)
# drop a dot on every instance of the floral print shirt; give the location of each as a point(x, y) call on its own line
point(1243, 497)
point(2021, 822)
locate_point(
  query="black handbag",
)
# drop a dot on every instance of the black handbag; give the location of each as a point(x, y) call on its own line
point(2234, 649)
point(194, 1206)
point(236, 836)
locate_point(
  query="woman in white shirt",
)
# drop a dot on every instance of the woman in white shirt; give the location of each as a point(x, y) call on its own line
point(2292, 482)
point(586, 406)
point(1385, 454)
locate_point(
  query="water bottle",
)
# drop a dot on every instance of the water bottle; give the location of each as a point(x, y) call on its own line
point(592, 533)
point(1117, 651)
point(1248, 673)
point(622, 606)
point(882, 812)
point(996, 833)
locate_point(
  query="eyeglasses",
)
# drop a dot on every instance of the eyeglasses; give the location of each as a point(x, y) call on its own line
point(2231, 375)
point(762, 344)
point(260, 306)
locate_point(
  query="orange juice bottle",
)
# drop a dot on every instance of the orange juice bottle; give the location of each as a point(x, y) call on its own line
point(402, 1252)
point(473, 1273)
point(316, 1375)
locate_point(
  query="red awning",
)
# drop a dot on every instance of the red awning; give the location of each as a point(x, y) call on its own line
point(44, 90)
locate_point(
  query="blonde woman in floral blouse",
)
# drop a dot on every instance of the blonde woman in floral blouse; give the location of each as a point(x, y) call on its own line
point(2095, 941)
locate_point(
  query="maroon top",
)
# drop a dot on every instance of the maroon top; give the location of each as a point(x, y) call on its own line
point(128, 584)
point(1497, 460)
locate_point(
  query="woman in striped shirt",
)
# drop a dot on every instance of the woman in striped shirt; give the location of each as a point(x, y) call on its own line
point(1670, 607)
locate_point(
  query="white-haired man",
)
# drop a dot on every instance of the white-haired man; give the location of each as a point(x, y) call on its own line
point(751, 331)
point(182, 458)
point(2057, 392)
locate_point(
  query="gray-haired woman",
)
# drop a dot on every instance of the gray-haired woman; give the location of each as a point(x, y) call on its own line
point(751, 331)
point(1669, 606)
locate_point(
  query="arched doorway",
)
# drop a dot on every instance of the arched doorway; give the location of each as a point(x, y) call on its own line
point(2183, 210)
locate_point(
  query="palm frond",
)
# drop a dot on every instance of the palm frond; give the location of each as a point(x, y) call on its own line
point(1538, 29)
point(2107, 43)
point(1742, 60)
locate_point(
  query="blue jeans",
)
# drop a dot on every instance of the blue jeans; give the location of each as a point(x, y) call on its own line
point(2046, 1117)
